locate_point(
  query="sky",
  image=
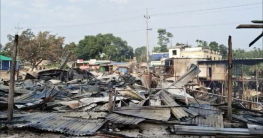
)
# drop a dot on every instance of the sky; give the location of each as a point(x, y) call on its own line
point(187, 20)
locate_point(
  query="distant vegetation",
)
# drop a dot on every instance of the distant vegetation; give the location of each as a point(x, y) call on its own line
point(45, 46)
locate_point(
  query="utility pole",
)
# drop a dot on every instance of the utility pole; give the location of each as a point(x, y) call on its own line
point(147, 46)
point(12, 82)
point(18, 65)
point(230, 90)
point(147, 38)
point(18, 28)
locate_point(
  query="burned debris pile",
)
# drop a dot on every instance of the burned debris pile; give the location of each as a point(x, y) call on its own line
point(81, 103)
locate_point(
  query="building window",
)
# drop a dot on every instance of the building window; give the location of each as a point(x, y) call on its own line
point(214, 58)
point(174, 52)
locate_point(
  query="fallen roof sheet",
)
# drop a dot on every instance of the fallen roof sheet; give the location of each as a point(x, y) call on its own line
point(35, 98)
point(248, 118)
point(178, 129)
point(255, 129)
point(130, 93)
point(179, 113)
point(55, 122)
point(162, 114)
point(188, 76)
point(104, 107)
point(123, 119)
point(86, 115)
point(86, 101)
point(17, 90)
point(208, 121)
point(204, 109)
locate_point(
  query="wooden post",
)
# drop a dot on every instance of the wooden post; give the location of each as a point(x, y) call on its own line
point(110, 102)
point(243, 84)
point(12, 82)
point(257, 81)
point(230, 85)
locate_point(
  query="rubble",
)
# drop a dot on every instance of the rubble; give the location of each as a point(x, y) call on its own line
point(77, 103)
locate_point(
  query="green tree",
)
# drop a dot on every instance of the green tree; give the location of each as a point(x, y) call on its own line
point(140, 54)
point(71, 47)
point(163, 39)
point(213, 46)
point(35, 49)
point(223, 51)
point(114, 48)
point(201, 43)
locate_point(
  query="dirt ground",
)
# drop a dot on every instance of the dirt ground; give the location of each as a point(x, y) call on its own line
point(4, 75)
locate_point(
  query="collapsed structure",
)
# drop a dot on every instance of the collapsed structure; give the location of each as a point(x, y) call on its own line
point(81, 103)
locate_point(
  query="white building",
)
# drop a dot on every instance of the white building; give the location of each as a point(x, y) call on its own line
point(193, 52)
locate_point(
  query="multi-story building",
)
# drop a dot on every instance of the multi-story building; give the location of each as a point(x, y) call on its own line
point(193, 52)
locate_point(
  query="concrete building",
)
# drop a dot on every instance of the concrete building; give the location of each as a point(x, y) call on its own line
point(193, 52)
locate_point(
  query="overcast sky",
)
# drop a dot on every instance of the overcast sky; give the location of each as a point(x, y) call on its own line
point(187, 20)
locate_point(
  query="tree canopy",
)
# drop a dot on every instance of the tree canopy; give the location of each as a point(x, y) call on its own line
point(104, 46)
point(214, 46)
point(72, 48)
point(140, 54)
point(163, 40)
point(36, 48)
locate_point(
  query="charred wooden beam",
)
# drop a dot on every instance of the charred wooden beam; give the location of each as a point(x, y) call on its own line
point(257, 21)
point(255, 40)
point(251, 26)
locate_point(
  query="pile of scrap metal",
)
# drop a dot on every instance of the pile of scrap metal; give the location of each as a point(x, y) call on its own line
point(119, 106)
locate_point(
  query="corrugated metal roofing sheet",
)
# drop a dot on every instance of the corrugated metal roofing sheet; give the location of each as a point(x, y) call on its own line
point(179, 113)
point(35, 98)
point(248, 118)
point(55, 122)
point(86, 115)
point(162, 114)
point(188, 76)
point(104, 107)
point(208, 121)
point(205, 109)
point(178, 129)
point(122, 119)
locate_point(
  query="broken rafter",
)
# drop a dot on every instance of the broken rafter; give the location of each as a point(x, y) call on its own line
point(255, 40)
point(251, 26)
point(257, 21)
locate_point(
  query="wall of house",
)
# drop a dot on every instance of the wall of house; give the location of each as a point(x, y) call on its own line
point(195, 52)
point(178, 53)
point(182, 65)
point(7, 64)
point(218, 71)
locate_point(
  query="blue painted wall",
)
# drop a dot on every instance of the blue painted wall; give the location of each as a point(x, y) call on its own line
point(158, 57)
